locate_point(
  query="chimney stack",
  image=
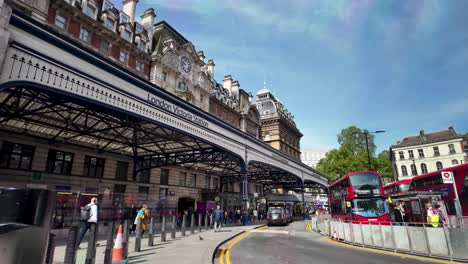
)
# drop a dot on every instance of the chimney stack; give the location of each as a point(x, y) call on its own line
point(147, 21)
point(211, 67)
point(201, 55)
point(129, 8)
point(227, 82)
point(235, 88)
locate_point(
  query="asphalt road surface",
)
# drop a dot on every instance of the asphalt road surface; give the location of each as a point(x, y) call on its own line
point(293, 245)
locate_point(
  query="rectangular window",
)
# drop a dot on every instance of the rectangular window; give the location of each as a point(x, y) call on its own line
point(93, 167)
point(110, 23)
point(164, 177)
point(402, 155)
point(143, 192)
point(421, 153)
point(207, 182)
point(124, 18)
point(163, 192)
point(193, 180)
point(90, 10)
point(16, 156)
point(60, 21)
point(436, 151)
point(144, 176)
point(59, 162)
point(119, 188)
point(123, 57)
point(142, 45)
point(85, 35)
point(215, 183)
point(202, 98)
point(121, 172)
point(126, 34)
point(139, 66)
point(410, 154)
point(105, 47)
point(164, 76)
point(182, 178)
point(107, 5)
point(452, 149)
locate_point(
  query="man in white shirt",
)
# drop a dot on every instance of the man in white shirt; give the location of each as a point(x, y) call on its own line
point(92, 219)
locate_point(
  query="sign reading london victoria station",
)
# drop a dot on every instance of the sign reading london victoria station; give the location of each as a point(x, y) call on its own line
point(160, 103)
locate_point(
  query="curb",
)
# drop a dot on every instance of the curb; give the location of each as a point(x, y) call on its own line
point(259, 227)
point(223, 242)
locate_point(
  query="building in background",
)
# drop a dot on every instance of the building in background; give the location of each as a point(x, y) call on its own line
point(311, 157)
point(278, 128)
point(427, 152)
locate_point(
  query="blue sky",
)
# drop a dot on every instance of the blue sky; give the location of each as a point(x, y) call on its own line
point(392, 65)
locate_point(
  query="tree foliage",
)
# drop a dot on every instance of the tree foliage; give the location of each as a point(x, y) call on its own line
point(352, 156)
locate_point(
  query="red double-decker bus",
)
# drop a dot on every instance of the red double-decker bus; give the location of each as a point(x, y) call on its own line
point(433, 182)
point(358, 196)
point(397, 187)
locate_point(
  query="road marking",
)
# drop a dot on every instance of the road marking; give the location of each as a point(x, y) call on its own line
point(225, 252)
point(402, 255)
point(271, 231)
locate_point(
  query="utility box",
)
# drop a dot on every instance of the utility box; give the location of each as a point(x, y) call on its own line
point(25, 223)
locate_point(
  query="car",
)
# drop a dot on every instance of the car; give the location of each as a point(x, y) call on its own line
point(277, 216)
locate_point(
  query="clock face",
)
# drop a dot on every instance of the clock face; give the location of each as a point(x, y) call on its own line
point(186, 65)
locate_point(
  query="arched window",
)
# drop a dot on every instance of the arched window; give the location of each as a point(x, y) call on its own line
point(454, 162)
point(414, 171)
point(404, 172)
point(182, 87)
point(267, 137)
point(423, 168)
point(439, 165)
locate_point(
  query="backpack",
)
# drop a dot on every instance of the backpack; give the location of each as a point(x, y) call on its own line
point(85, 213)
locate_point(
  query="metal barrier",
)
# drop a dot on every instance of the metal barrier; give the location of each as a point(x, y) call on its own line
point(448, 241)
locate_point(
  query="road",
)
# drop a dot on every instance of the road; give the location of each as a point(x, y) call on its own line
point(293, 245)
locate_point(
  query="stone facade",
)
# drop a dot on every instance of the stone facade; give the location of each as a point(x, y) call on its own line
point(312, 157)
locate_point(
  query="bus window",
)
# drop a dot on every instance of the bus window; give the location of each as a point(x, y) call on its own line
point(373, 207)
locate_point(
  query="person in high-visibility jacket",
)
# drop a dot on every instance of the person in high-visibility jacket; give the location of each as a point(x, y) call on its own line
point(432, 216)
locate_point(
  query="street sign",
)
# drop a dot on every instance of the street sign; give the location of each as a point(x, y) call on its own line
point(447, 177)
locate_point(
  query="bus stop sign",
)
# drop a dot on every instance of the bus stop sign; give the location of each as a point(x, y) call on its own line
point(447, 177)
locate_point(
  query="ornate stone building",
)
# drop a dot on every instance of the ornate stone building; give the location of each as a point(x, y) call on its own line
point(278, 128)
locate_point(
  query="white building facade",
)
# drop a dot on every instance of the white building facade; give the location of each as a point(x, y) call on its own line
point(425, 153)
point(311, 157)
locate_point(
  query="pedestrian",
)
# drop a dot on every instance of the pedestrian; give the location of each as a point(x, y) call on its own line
point(255, 215)
point(399, 214)
point(142, 218)
point(133, 214)
point(238, 216)
point(432, 216)
point(89, 217)
point(225, 217)
point(218, 217)
point(438, 211)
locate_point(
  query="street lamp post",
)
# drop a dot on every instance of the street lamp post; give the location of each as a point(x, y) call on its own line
point(367, 144)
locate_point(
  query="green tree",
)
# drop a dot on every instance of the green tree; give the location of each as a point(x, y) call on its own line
point(352, 156)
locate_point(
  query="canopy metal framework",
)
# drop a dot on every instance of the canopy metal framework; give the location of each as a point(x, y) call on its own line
point(38, 112)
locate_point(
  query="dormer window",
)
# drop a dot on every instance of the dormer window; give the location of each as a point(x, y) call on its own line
point(90, 10)
point(124, 18)
point(110, 23)
point(107, 5)
point(126, 34)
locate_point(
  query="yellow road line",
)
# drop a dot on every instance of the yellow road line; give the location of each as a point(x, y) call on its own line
point(225, 252)
point(388, 252)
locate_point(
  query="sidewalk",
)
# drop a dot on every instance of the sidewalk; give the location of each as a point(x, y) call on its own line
point(190, 249)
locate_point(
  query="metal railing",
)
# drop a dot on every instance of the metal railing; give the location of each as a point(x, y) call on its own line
point(447, 241)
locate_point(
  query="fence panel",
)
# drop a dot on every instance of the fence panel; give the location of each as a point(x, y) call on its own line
point(401, 238)
point(459, 242)
point(418, 239)
point(367, 235)
point(347, 232)
point(387, 237)
point(377, 236)
point(357, 234)
point(437, 242)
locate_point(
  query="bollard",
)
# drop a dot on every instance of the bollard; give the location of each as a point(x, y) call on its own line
point(163, 229)
point(173, 226)
point(138, 237)
point(125, 239)
point(72, 240)
point(199, 223)
point(192, 224)
point(206, 222)
point(109, 245)
point(91, 251)
point(50, 249)
point(184, 219)
point(150, 233)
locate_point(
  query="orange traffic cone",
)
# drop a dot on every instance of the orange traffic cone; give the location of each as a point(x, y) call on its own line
point(334, 235)
point(117, 251)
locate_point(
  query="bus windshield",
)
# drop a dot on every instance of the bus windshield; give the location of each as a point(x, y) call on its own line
point(373, 207)
point(361, 179)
